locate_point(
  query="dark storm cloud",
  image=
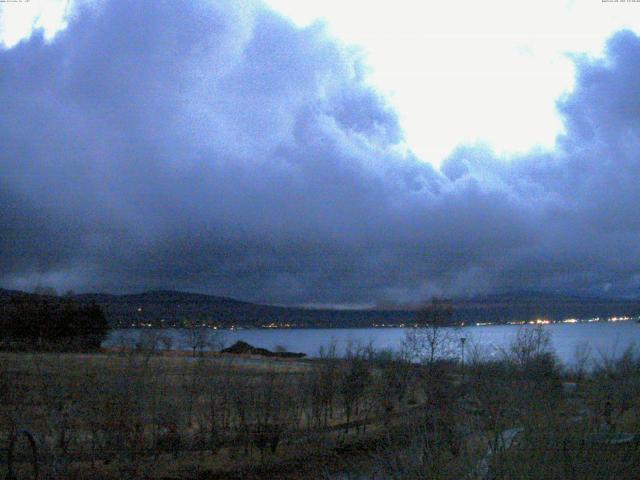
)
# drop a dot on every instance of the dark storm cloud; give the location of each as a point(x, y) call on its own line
point(219, 148)
point(586, 192)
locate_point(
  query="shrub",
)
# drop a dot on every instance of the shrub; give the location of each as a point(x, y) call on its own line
point(45, 322)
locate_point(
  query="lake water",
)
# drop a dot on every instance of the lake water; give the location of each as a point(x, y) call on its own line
point(604, 338)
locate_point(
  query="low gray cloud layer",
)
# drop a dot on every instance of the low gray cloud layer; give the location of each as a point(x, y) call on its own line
point(221, 149)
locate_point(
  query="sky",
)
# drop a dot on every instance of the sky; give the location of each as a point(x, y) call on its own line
point(320, 153)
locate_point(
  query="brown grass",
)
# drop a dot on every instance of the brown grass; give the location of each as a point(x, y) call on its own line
point(126, 414)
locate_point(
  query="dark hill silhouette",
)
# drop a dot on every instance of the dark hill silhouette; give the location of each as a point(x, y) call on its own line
point(174, 308)
point(7, 294)
point(525, 306)
point(165, 297)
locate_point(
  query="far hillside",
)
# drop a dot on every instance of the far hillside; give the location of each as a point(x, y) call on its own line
point(526, 306)
point(166, 308)
point(172, 308)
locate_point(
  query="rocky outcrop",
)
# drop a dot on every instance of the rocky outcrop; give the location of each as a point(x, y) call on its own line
point(243, 348)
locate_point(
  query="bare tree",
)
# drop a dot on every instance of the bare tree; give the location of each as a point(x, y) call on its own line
point(45, 290)
point(148, 341)
point(582, 360)
point(354, 380)
point(395, 379)
point(322, 384)
point(529, 344)
point(198, 338)
point(433, 337)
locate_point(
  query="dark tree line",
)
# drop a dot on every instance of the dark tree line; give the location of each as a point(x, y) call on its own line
point(51, 321)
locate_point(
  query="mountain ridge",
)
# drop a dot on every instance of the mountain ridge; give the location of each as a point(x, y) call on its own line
point(175, 308)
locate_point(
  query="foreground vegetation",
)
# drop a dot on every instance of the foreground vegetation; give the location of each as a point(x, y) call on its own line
point(370, 414)
point(33, 322)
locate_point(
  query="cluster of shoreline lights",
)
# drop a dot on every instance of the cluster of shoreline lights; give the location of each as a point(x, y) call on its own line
point(538, 321)
point(544, 321)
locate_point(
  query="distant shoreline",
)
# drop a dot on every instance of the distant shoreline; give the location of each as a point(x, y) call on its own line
point(404, 326)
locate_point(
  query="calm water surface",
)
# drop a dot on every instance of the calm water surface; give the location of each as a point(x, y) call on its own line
point(610, 338)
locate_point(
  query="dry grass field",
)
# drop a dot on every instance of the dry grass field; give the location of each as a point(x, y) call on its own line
point(368, 415)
